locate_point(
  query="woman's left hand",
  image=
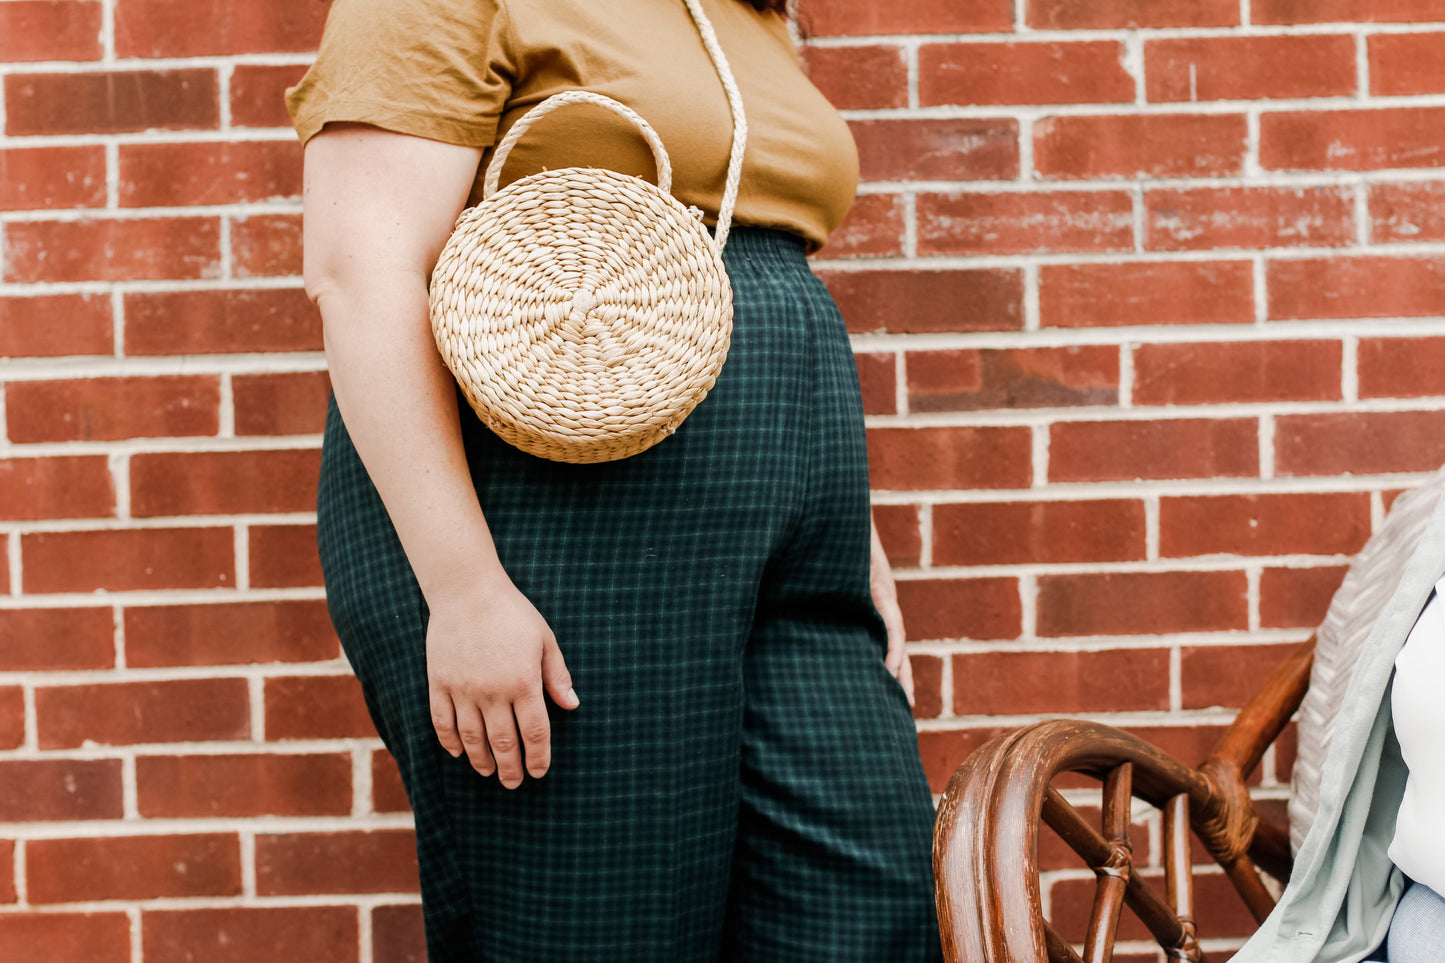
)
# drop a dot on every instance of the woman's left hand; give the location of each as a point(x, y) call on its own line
point(885, 597)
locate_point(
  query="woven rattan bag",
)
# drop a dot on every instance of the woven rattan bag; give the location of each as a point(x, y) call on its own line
point(585, 313)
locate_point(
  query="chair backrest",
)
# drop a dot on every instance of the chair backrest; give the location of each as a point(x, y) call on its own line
point(1372, 579)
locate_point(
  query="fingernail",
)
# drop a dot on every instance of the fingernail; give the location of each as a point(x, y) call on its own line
point(572, 697)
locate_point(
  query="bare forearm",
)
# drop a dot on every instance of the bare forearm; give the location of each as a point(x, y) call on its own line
point(399, 403)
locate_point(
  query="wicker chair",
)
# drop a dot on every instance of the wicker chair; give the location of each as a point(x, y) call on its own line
point(986, 846)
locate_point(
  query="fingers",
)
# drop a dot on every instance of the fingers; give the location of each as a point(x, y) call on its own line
point(474, 732)
point(444, 720)
point(556, 678)
point(893, 622)
point(536, 732)
point(506, 748)
point(905, 677)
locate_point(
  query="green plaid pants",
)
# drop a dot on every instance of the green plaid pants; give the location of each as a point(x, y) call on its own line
point(741, 781)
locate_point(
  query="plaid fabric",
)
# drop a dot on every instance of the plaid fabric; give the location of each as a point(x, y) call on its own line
point(741, 781)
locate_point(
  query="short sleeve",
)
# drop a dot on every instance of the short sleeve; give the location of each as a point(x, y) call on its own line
point(432, 68)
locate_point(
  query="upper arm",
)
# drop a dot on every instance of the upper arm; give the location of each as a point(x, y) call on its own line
point(379, 203)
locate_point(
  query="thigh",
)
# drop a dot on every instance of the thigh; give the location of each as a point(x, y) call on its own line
point(1417, 932)
point(834, 851)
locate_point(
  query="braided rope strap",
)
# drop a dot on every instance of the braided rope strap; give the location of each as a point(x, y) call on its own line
point(586, 313)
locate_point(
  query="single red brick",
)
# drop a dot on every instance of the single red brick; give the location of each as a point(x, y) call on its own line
point(1142, 603)
point(1356, 287)
point(927, 686)
point(1346, 11)
point(955, 608)
point(282, 403)
point(1146, 292)
point(316, 934)
point(229, 633)
point(1360, 443)
point(1412, 211)
point(109, 409)
point(1020, 533)
point(284, 556)
point(1352, 140)
point(1226, 675)
point(1017, 683)
point(126, 713)
point(1055, 72)
point(397, 935)
point(898, 529)
point(50, 178)
point(1401, 367)
point(382, 861)
point(157, 28)
point(48, 790)
point(951, 149)
point(878, 378)
point(7, 871)
point(12, 725)
point(128, 559)
point(873, 228)
point(1250, 68)
point(1326, 523)
point(113, 102)
point(316, 707)
point(224, 482)
point(943, 751)
point(1109, 14)
point(258, 94)
point(56, 486)
point(65, 937)
point(909, 459)
point(1406, 64)
point(136, 249)
point(916, 302)
point(134, 867)
point(208, 322)
point(1247, 371)
point(172, 175)
point(39, 640)
point(859, 77)
point(1016, 223)
point(241, 786)
point(828, 18)
point(266, 245)
point(34, 30)
point(1126, 450)
point(5, 574)
point(1140, 145)
point(55, 325)
point(972, 379)
point(388, 793)
point(1249, 217)
point(1297, 597)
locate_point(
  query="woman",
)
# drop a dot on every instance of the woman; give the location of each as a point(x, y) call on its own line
point(730, 766)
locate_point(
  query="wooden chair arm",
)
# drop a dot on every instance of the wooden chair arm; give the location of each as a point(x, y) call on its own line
point(987, 836)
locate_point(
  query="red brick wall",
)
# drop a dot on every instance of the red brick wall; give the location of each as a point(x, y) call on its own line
point(1149, 299)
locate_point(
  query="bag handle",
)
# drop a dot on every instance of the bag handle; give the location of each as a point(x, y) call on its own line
point(504, 149)
point(659, 152)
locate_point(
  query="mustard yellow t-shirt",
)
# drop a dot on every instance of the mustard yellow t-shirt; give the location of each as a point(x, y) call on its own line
point(463, 71)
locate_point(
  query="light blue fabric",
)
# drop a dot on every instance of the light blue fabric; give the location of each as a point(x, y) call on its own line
point(1417, 933)
point(1342, 895)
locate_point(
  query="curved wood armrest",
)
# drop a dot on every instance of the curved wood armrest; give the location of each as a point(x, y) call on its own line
point(986, 841)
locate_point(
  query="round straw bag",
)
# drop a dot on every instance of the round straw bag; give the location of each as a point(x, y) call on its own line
point(585, 313)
